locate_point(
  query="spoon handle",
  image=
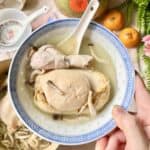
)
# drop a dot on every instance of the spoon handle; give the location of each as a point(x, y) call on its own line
point(85, 20)
point(36, 14)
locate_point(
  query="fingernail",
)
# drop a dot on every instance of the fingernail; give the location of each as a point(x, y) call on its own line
point(117, 109)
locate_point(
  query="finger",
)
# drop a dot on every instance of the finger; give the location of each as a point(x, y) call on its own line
point(132, 131)
point(147, 131)
point(122, 147)
point(115, 141)
point(142, 101)
point(101, 144)
point(141, 93)
point(139, 84)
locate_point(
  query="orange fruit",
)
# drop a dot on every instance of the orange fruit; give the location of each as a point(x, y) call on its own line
point(113, 20)
point(130, 37)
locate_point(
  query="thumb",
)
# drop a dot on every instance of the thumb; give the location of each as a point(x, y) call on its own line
point(142, 97)
point(131, 129)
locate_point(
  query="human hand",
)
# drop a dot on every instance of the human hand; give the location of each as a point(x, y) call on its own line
point(133, 130)
point(142, 97)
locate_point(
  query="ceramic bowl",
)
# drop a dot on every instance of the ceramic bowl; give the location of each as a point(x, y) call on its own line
point(18, 4)
point(58, 131)
point(12, 13)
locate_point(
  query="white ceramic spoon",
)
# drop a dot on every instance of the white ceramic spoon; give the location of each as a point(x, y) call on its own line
point(72, 43)
point(12, 30)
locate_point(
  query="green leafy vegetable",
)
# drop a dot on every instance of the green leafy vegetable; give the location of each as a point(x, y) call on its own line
point(147, 20)
point(129, 13)
point(127, 7)
point(144, 66)
point(143, 15)
point(142, 2)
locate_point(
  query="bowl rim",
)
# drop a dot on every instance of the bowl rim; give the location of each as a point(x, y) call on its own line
point(80, 139)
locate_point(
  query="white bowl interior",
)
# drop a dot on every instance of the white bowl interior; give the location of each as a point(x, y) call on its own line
point(79, 128)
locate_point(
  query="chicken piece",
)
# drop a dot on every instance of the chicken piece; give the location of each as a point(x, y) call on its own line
point(34, 74)
point(64, 88)
point(7, 114)
point(71, 92)
point(79, 61)
point(47, 58)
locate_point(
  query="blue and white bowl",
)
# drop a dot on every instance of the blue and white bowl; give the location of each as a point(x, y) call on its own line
point(58, 131)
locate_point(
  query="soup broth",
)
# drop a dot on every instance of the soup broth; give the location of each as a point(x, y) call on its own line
point(106, 68)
